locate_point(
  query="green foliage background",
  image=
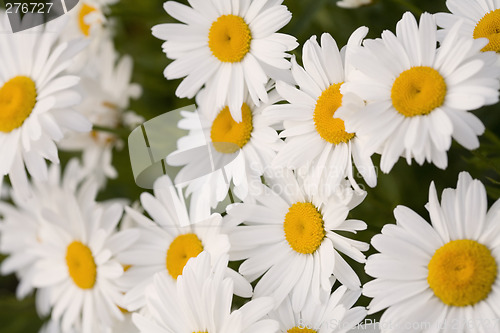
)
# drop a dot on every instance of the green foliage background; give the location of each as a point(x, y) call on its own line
point(405, 185)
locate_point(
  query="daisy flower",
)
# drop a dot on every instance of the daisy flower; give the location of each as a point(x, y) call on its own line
point(87, 20)
point(290, 239)
point(36, 99)
point(21, 222)
point(445, 274)
point(480, 20)
point(107, 92)
point(168, 241)
point(336, 315)
point(88, 16)
point(240, 151)
point(315, 137)
point(418, 96)
point(76, 264)
point(228, 46)
point(201, 302)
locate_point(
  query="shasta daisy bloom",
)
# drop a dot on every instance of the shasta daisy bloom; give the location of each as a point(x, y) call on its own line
point(88, 16)
point(228, 46)
point(290, 239)
point(87, 20)
point(76, 264)
point(201, 302)
point(444, 274)
point(21, 222)
point(168, 241)
point(107, 93)
point(36, 99)
point(315, 137)
point(335, 315)
point(240, 151)
point(480, 20)
point(418, 96)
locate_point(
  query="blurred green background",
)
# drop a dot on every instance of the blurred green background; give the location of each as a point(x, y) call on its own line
point(405, 185)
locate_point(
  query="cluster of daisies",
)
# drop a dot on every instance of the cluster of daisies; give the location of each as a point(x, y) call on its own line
point(290, 141)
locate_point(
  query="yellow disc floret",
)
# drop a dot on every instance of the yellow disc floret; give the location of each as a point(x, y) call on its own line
point(227, 135)
point(229, 38)
point(462, 272)
point(489, 27)
point(417, 91)
point(182, 248)
point(17, 100)
point(298, 329)
point(84, 11)
point(81, 265)
point(329, 128)
point(304, 227)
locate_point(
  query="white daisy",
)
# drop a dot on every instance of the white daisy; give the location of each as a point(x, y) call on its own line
point(290, 238)
point(76, 263)
point(36, 99)
point(418, 95)
point(168, 241)
point(336, 315)
point(87, 20)
point(201, 302)
point(228, 46)
point(316, 138)
point(107, 92)
point(239, 151)
point(480, 20)
point(446, 274)
point(20, 224)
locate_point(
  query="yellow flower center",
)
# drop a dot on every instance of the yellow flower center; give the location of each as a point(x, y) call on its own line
point(489, 27)
point(330, 129)
point(229, 38)
point(84, 11)
point(417, 91)
point(81, 265)
point(17, 100)
point(182, 248)
point(462, 272)
point(298, 329)
point(304, 227)
point(227, 135)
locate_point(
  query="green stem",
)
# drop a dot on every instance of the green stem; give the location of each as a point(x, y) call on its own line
point(492, 137)
point(483, 157)
point(120, 132)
